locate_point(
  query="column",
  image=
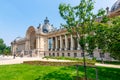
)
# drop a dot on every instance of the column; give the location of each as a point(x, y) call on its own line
point(51, 44)
point(13, 48)
point(66, 43)
point(71, 42)
point(37, 45)
point(60, 43)
point(27, 44)
point(37, 42)
point(56, 43)
point(78, 46)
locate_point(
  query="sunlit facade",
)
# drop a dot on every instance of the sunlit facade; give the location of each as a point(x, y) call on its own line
point(45, 40)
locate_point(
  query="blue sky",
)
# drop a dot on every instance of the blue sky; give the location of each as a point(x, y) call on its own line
point(17, 15)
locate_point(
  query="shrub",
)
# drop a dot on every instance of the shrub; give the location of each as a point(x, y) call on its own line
point(72, 59)
point(50, 63)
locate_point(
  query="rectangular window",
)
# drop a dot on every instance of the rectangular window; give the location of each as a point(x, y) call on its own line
point(82, 54)
point(75, 54)
point(57, 54)
point(68, 54)
point(53, 54)
point(62, 54)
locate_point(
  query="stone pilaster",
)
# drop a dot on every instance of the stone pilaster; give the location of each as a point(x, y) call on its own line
point(66, 43)
point(56, 43)
point(78, 45)
point(13, 49)
point(52, 43)
point(71, 37)
point(37, 44)
point(60, 43)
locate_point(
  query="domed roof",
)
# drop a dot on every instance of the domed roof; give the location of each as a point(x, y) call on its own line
point(115, 6)
point(47, 27)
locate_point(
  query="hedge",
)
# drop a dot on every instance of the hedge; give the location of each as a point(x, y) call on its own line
point(50, 63)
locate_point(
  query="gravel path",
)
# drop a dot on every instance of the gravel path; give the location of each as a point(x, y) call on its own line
point(18, 60)
point(107, 65)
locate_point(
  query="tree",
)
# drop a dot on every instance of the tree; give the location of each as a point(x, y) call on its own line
point(79, 21)
point(114, 38)
point(7, 50)
point(101, 39)
point(2, 46)
point(91, 44)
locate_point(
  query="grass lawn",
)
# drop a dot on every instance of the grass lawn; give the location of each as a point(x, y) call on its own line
point(35, 72)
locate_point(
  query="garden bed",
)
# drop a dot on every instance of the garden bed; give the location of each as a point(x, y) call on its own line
point(54, 63)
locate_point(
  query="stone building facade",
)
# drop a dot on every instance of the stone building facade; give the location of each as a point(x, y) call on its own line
point(45, 40)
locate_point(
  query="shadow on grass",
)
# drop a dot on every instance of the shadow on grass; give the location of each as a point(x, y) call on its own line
point(68, 73)
point(56, 75)
point(109, 73)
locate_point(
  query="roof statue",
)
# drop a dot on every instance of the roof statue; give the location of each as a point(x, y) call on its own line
point(46, 21)
point(46, 27)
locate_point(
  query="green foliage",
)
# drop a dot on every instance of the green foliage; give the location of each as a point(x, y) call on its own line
point(80, 21)
point(55, 63)
point(91, 43)
point(114, 38)
point(101, 37)
point(72, 59)
point(3, 48)
point(7, 50)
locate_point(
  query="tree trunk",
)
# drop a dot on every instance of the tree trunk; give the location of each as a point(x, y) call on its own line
point(84, 63)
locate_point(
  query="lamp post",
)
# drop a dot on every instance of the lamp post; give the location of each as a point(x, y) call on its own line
point(14, 52)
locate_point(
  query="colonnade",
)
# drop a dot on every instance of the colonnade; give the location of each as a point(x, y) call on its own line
point(63, 42)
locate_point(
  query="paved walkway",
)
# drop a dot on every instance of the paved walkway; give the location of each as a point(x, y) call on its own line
point(107, 65)
point(18, 60)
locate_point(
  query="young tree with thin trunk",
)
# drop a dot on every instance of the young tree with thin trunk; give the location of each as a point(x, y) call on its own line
point(79, 22)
